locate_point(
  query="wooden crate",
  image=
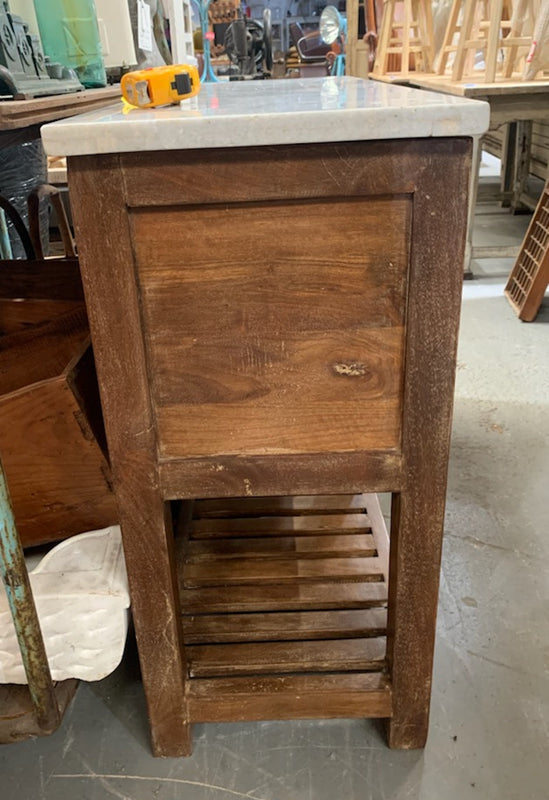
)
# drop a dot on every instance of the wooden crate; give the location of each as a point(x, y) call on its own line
point(36, 291)
point(529, 277)
point(51, 431)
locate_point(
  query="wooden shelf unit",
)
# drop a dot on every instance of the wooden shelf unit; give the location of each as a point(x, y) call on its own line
point(300, 365)
point(285, 598)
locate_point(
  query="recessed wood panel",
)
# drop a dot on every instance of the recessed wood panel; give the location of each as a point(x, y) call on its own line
point(262, 338)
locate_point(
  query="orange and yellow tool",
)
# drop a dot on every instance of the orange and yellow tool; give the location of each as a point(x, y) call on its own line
point(160, 86)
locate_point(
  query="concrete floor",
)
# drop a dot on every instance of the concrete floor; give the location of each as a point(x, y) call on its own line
point(490, 707)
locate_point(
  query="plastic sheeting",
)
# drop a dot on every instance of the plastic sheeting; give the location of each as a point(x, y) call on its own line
point(441, 15)
point(22, 168)
point(538, 57)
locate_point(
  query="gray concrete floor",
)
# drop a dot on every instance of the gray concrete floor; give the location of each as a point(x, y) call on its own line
point(490, 705)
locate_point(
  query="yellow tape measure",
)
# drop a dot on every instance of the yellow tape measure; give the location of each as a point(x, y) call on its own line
point(160, 86)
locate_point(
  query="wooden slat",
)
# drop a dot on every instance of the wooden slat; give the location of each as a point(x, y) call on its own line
point(288, 597)
point(225, 573)
point(278, 506)
point(305, 525)
point(295, 473)
point(289, 697)
point(21, 113)
point(284, 626)
point(208, 661)
point(341, 546)
point(379, 533)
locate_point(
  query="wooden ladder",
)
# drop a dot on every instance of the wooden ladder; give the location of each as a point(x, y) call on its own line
point(489, 26)
point(406, 35)
point(529, 277)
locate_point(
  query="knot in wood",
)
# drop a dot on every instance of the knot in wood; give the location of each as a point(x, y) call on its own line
point(351, 370)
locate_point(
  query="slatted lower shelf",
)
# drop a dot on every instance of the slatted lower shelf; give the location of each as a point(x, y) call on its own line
point(284, 608)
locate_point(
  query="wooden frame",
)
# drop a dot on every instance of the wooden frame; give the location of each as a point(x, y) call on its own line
point(124, 290)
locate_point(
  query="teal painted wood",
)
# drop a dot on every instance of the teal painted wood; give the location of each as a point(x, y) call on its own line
point(16, 580)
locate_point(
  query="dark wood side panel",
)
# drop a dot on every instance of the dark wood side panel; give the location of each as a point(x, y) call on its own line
point(106, 261)
point(58, 477)
point(264, 343)
point(273, 173)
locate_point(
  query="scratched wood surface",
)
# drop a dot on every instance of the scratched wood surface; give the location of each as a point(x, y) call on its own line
point(51, 432)
point(106, 263)
point(279, 340)
point(417, 521)
point(278, 321)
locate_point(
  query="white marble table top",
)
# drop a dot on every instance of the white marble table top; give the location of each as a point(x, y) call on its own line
point(270, 113)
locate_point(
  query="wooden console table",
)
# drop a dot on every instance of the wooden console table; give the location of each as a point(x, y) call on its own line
point(513, 104)
point(274, 306)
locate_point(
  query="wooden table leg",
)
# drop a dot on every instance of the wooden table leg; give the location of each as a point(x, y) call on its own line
point(522, 164)
point(473, 193)
point(106, 262)
point(418, 511)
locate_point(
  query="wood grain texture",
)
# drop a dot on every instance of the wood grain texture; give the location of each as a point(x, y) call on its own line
point(41, 352)
point(338, 546)
point(290, 697)
point(266, 527)
point(16, 114)
point(288, 626)
point(243, 356)
point(49, 279)
point(235, 476)
point(300, 508)
point(275, 343)
point(283, 654)
point(226, 660)
point(288, 597)
point(106, 261)
point(256, 571)
point(17, 315)
point(351, 169)
point(418, 511)
point(50, 441)
point(315, 427)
